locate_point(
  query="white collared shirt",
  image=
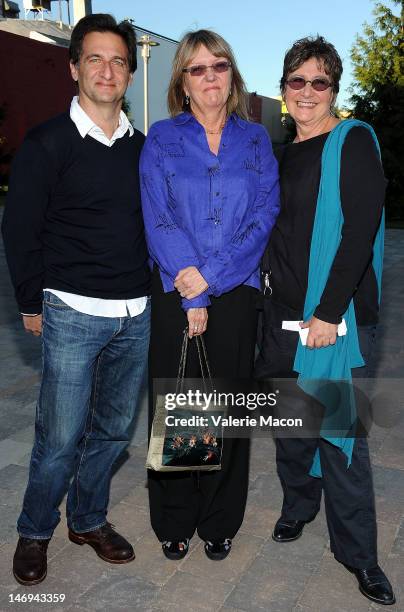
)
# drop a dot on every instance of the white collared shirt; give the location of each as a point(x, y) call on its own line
point(87, 127)
point(96, 306)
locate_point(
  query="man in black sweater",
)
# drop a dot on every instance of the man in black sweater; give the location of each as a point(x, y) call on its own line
point(75, 246)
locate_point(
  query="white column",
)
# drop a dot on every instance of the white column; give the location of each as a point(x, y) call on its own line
point(81, 8)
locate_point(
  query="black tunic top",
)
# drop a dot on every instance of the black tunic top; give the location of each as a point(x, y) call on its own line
point(362, 187)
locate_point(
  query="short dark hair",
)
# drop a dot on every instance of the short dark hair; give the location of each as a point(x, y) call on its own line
point(101, 22)
point(317, 47)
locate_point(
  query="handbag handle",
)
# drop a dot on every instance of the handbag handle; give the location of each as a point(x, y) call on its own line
point(203, 362)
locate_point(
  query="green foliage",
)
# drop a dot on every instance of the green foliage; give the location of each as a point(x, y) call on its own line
point(126, 107)
point(377, 94)
point(289, 127)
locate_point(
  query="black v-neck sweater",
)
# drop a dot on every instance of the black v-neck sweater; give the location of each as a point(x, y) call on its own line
point(73, 218)
point(362, 188)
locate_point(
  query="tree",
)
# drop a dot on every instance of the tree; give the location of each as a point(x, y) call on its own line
point(377, 94)
point(126, 107)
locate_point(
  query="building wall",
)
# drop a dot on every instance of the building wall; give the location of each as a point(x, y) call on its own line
point(81, 8)
point(35, 84)
point(271, 118)
point(267, 111)
point(160, 64)
point(39, 73)
point(255, 107)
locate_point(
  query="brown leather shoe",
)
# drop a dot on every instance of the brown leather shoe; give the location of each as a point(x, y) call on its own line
point(107, 543)
point(29, 563)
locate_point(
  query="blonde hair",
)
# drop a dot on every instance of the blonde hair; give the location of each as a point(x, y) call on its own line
point(189, 45)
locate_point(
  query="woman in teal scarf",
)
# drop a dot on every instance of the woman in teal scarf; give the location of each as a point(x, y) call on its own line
point(324, 264)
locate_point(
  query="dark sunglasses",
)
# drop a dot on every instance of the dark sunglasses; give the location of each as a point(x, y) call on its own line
point(201, 69)
point(318, 84)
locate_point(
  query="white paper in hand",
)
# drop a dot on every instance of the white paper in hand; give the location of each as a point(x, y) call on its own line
point(303, 333)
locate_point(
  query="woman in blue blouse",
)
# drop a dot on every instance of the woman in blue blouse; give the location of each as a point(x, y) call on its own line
point(210, 198)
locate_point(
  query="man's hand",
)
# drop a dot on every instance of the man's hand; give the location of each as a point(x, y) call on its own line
point(320, 333)
point(190, 283)
point(33, 325)
point(197, 321)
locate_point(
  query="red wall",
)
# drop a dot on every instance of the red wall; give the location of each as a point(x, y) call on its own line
point(35, 84)
point(255, 107)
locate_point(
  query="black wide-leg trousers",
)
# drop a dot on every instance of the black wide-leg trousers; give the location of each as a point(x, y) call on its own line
point(348, 492)
point(212, 503)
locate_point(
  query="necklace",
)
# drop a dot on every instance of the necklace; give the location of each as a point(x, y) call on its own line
point(215, 132)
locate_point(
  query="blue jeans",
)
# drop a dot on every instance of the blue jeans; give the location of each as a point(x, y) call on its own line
point(93, 369)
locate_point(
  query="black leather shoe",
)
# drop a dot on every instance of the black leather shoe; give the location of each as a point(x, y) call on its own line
point(287, 531)
point(175, 550)
point(30, 563)
point(218, 549)
point(374, 584)
point(107, 543)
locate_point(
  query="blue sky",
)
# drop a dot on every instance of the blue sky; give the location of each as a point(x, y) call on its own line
point(259, 34)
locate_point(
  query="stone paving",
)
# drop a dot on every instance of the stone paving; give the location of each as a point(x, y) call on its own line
point(259, 575)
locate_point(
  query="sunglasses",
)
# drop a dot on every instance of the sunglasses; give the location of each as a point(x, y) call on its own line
point(318, 84)
point(201, 69)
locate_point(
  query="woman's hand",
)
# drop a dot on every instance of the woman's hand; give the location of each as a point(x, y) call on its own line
point(190, 283)
point(320, 333)
point(197, 321)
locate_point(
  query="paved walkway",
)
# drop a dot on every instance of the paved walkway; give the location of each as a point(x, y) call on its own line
point(259, 575)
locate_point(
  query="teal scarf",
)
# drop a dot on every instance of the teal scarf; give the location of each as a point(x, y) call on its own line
point(333, 363)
